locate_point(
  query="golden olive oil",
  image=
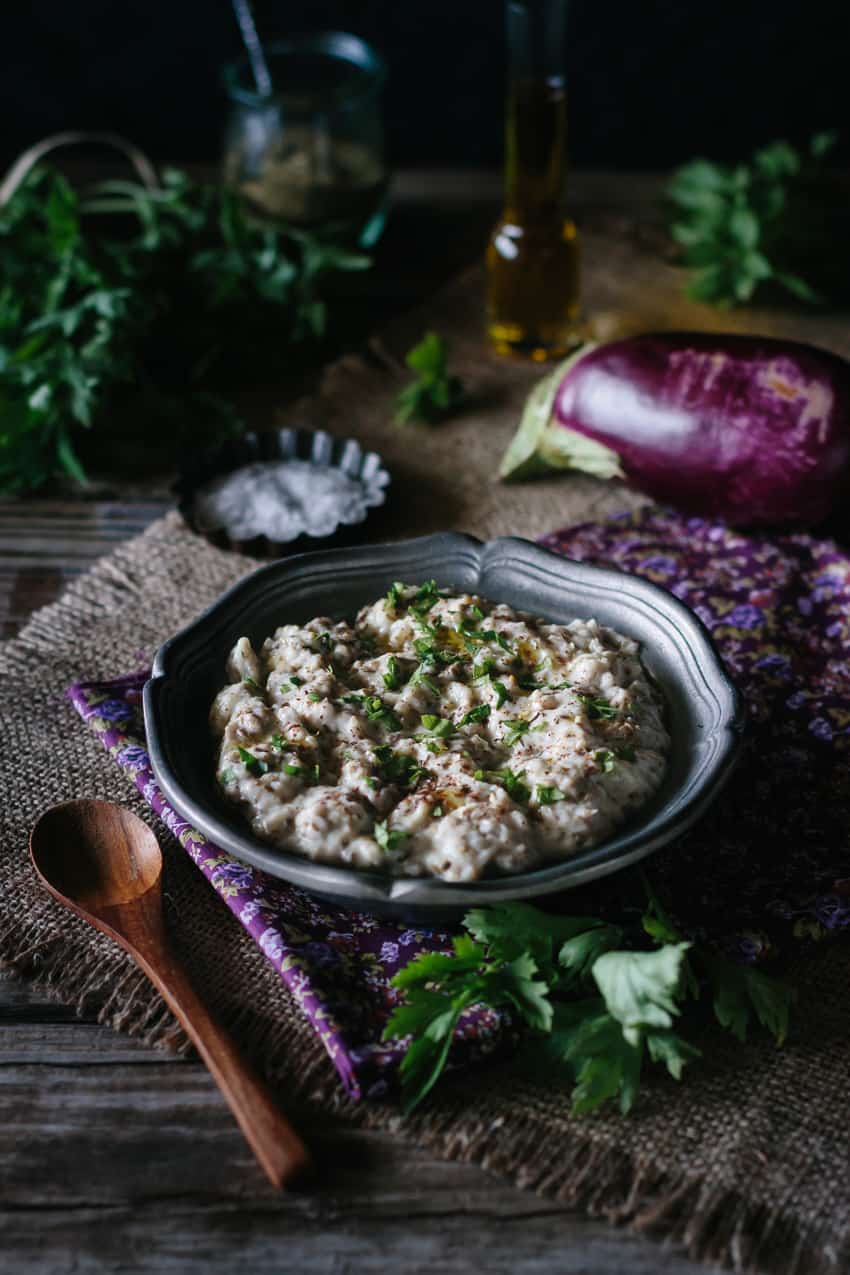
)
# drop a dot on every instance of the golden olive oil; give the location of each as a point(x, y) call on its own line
point(533, 253)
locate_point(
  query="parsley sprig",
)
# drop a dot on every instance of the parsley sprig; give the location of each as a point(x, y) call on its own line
point(757, 223)
point(398, 768)
point(126, 325)
point(600, 1005)
point(435, 392)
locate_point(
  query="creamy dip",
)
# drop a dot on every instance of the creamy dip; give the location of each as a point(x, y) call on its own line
point(439, 735)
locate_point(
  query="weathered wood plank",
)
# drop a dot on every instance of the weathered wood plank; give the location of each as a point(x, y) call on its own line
point(114, 1157)
point(172, 1239)
point(122, 1167)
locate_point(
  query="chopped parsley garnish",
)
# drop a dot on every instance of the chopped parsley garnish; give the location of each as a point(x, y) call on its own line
point(479, 714)
point(485, 668)
point(251, 683)
point(388, 839)
point(473, 637)
point(515, 728)
point(512, 784)
point(371, 782)
point(314, 697)
point(528, 683)
point(598, 709)
point(377, 711)
point(278, 742)
point(476, 613)
point(502, 693)
point(255, 765)
point(394, 593)
point(442, 727)
point(398, 768)
point(434, 745)
point(394, 675)
point(426, 596)
point(437, 811)
point(227, 776)
point(294, 682)
point(605, 760)
point(310, 774)
point(421, 679)
point(548, 796)
point(432, 657)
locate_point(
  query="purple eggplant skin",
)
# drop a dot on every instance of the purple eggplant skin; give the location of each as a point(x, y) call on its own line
point(750, 429)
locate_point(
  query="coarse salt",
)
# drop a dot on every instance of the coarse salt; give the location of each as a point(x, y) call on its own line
point(281, 500)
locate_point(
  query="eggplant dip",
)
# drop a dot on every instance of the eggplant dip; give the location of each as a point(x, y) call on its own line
point(438, 735)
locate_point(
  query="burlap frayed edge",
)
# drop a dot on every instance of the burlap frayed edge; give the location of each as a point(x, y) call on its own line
point(707, 1222)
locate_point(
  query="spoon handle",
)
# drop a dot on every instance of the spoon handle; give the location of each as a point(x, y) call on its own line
point(278, 1148)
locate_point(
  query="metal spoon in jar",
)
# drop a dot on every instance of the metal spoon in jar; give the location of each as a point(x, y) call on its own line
point(105, 864)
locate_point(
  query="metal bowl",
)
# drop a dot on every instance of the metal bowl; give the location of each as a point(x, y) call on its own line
point(283, 444)
point(705, 713)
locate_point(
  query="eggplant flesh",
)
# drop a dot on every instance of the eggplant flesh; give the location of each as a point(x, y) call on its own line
point(750, 429)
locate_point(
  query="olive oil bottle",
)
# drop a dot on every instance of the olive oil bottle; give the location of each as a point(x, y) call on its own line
point(533, 253)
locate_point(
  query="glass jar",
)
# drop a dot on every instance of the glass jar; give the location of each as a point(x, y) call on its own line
point(312, 153)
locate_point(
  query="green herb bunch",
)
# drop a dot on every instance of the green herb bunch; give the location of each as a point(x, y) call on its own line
point(776, 220)
point(599, 1003)
point(121, 304)
point(435, 392)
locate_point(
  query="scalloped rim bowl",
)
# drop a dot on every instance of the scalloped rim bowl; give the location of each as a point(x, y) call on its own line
point(705, 712)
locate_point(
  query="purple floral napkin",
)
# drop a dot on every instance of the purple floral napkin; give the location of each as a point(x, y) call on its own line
point(768, 866)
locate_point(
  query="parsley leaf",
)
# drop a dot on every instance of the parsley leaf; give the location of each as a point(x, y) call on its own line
point(426, 596)
point(739, 992)
point(744, 227)
point(479, 714)
point(255, 765)
point(605, 760)
point(515, 728)
point(512, 784)
point(548, 796)
point(398, 768)
point(598, 708)
point(502, 693)
point(394, 674)
point(388, 839)
point(441, 727)
point(376, 710)
point(435, 392)
point(473, 637)
point(640, 988)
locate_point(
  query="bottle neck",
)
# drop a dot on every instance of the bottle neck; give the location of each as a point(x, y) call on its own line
point(536, 113)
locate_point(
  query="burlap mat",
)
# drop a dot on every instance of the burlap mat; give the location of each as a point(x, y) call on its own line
point(744, 1162)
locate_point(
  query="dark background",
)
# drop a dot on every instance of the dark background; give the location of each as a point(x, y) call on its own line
point(651, 83)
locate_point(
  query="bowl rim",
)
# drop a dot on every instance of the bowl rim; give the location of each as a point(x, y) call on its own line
point(360, 888)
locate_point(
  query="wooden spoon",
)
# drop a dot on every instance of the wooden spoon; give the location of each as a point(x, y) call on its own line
point(105, 864)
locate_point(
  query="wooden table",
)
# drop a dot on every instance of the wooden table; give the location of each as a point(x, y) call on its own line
point(114, 1157)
